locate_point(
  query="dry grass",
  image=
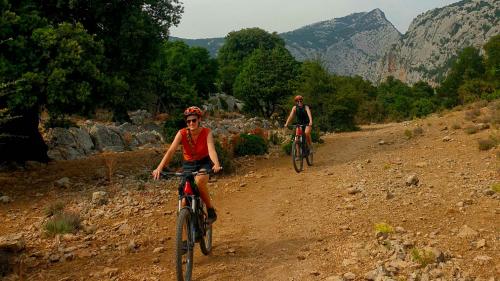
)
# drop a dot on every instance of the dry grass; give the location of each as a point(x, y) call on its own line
point(470, 130)
point(110, 160)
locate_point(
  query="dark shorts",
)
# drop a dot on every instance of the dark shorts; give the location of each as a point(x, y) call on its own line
point(192, 166)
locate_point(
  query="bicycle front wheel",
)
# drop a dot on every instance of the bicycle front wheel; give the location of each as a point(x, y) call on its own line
point(206, 239)
point(297, 157)
point(310, 155)
point(184, 246)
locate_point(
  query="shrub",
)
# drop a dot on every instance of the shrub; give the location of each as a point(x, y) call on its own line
point(422, 256)
point(62, 223)
point(287, 147)
point(59, 123)
point(456, 126)
point(315, 136)
point(471, 130)
point(260, 132)
point(250, 145)
point(496, 187)
point(172, 125)
point(275, 138)
point(225, 158)
point(54, 209)
point(418, 131)
point(486, 144)
point(472, 114)
point(408, 134)
point(383, 227)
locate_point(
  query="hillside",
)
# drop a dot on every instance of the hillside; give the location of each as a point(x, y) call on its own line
point(425, 179)
point(352, 45)
point(435, 37)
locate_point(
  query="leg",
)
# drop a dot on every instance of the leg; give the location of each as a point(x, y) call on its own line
point(201, 182)
point(308, 134)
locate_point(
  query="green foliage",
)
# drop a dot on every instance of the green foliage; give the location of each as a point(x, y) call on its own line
point(172, 125)
point(287, 147)
point(471, 130)
point(474, 90)
point(265, 80)
point(62, 223)
point(469, 65)
point(333, 100)
point(250, 145)
point(423, 257)
point(225, 158)
point(383, 227)
point(238, 46)
point(496, 187)
point(492, 57)
point(59, 122)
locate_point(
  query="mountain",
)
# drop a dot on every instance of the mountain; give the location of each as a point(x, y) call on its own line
point(351, 45)
point(435, 37)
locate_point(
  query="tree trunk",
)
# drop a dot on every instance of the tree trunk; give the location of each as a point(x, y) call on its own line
point(20, 139)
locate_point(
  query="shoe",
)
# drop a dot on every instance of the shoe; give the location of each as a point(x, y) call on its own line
point(212, 216)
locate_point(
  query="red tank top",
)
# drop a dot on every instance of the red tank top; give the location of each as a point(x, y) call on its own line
point(195, 149)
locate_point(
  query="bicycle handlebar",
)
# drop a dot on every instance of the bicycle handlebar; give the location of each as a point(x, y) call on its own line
point(186, 174)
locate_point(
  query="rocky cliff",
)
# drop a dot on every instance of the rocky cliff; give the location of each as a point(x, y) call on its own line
point(434, 38)
point(352, 45)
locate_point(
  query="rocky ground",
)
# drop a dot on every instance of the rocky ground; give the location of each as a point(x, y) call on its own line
point(403, 201)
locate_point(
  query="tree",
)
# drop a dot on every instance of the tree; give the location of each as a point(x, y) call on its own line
point(266, 80)
point(396, 98)
point(492, 58)
point(469, 65)
point(238, 46)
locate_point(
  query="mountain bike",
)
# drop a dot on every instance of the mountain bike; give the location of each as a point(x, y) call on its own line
point(300, 149)
point(192, 226)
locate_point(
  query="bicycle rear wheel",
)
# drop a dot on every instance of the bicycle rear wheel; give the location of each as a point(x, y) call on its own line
point(206, 239)
point(310, 155)
point(184, 246)
point(297, 156)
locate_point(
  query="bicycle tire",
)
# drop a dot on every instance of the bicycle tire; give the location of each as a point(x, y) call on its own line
point(184, 224)
point(297, 157)
point(310, 156)
point(206, 239)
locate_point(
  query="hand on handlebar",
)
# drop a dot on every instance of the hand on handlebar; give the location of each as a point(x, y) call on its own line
point(156, 173)
point(216, 168)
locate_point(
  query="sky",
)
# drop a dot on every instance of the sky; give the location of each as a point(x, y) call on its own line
point(216, 18)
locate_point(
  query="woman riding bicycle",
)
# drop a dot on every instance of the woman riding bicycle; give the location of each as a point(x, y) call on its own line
point(304, 116)
point(198, 149)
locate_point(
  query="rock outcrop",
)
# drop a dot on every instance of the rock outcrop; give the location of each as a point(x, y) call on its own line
point(435, 37)
point(352, 45)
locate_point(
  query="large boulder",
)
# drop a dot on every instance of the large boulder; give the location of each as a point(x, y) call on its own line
point(67, 144)
point(107, 138)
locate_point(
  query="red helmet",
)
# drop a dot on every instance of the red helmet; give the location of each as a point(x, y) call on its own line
point(193, 110)
point(297, 98)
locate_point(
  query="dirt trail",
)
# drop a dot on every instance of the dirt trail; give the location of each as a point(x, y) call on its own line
point(275, 224)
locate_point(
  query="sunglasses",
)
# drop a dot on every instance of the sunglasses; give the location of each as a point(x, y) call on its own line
point(188, 121)
point(299, 100)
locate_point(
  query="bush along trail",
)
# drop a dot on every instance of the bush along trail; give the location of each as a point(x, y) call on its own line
point(417, 200)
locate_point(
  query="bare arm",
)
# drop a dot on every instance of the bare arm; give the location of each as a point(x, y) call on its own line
point(310, 115)
point(168, 156)
point(292, 113)
point(212, 153)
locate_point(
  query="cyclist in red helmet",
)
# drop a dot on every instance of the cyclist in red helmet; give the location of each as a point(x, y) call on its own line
point(198, 151)
point(304, 116)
